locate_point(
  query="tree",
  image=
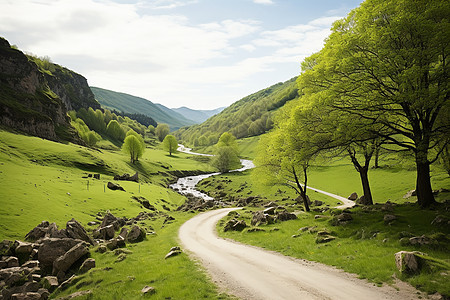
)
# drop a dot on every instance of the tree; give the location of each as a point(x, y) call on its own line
point(115, 131)
point(161, 131)
point(226, 153)
point(387, 63)
point(133, 147)
point(170, 144)
point(138, 136)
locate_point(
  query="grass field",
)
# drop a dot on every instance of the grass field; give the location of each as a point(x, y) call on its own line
point(43, 180)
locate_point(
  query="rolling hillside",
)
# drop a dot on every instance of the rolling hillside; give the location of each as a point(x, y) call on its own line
point(250, 116)
point(132, 104)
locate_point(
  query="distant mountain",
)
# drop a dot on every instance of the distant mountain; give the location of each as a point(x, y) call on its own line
point(199, 116)
point(249, 116)
point(132, 104)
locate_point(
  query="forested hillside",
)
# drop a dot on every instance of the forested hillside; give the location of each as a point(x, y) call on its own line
point(247, 117)
point(132, 104)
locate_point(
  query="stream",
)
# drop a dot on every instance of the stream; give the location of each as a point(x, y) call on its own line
point(186, 185)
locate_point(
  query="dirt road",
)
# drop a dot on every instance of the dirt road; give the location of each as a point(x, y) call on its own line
point(252, 273)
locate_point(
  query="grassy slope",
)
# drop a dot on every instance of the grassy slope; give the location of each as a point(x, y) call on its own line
point(36, 176)
point(365, 246)
point(133, 104)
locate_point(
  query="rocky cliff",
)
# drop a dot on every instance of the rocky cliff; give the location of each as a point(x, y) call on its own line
point(35, 100)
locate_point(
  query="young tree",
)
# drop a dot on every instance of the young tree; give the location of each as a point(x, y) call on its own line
point(161, 131)
point(226, 153)
point(138, 136)
point(170, 144)
point(115, 131)
point(387, 63)
point(133, 147)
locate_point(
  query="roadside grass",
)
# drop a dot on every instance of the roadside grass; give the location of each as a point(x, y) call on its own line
point(43, 180)
point(364, 246)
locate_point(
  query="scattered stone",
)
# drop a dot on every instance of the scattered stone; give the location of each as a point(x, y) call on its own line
point(389, 218)
point(26, 296)
point(115, 187)
point(353, 196)
point(437, 296)
point(235, 225)
point(410, 194)
point(255, 229)
point(136, 234)
point(362, 201)
point(12, 262)
point(269, 210)
point(317, 203)
point(31, 264)
point(408, 262)
point(92, 223)
point(320, 239)
point(68, 282)
point(101, 249)
point(50, 283)
point(123, 233)
point(23, 248)
point(342, 218)
point(421, 240)
point(104, 233)
point(285, 216)
point(440, 220)
point(259, 218)
point(51, 249)
point(87, 265)
point(174, 251)
point(97, 176)
point(320, 217)
point(148, 290)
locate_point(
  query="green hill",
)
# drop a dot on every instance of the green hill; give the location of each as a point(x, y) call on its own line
point(250, 116)
point(132, 104)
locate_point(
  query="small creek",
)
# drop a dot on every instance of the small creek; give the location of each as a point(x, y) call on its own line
point(186, 185)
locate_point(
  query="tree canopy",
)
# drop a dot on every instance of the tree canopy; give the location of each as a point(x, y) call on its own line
point(170, 144)
point(161, 131)
point(226, 153)
point(387, 63)
point(133, 147)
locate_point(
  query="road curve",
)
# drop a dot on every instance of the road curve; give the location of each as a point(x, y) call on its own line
point(253, 273)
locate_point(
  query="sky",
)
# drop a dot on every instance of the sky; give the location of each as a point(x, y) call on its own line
point(202, 54)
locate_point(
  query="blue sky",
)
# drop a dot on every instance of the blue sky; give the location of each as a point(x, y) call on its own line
point(202, 54)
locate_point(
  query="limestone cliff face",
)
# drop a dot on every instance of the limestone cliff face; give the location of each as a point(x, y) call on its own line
point(36, 101)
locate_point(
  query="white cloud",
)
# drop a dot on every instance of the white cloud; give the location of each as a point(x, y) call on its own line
point(162, 57)
point(266, 2)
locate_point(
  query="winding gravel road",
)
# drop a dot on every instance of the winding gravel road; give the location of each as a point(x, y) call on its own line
point(253, 273)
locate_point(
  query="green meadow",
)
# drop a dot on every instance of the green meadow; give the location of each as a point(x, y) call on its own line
point(43, 180)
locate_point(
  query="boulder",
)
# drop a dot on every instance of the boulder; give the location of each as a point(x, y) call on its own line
point(408, 262)
point(362, 200)
point(108, 219)
point(64, 262)
point(269, 210)
point(235, 225)
point(23, 248)
point(317, 203)
point(87, 265)
point(123, 233)
point(12, 262)
point(31, 264)
point(104, 233)
point(50, 283)
point(115, 187)
point(76, 231)
point(174, 251)
point(421, 240)
point(6, 247)
point(136, 234)
point(285, 216)
point(342, 218)
point(259, 217)
point(37, 232)
point(51, 249)
point(353, 197)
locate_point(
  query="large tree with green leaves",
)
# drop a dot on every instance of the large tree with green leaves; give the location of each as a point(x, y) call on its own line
point(161, 131)
point(387, 63)
point(170, 144)
point(133, 147)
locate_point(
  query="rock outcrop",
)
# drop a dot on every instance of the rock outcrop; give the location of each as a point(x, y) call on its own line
point(35, 100)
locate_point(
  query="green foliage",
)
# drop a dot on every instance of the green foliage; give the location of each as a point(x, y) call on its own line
point(134, 147)
point(170, 144)
point(115, 131)
point(226, 153)
point(247, 117)
point(88, 136)
point(161, 131)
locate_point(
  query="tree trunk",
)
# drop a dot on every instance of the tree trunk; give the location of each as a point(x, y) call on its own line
point(363, 174)
point(424, 191)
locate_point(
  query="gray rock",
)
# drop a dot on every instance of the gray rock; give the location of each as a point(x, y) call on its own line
point(421, 240)
point(235, 225)
point(343, 218)
point(26, 296)
point(76, 231)
point(12, 262)
point(408, 262)
point(269, 210)
point(23, 248)
point(31, 264)
point(353, 196)
point(410, 194)
point(51, 249)
point(87, 265)
point(50, 283)
point(136, 234)
point(148, 290)
point(64, 262)
point(104, 233)
point(38, 232)
point(259, 218)
point(285, 216)
point(124, 233)
point(172, 253)
point(115, 187)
